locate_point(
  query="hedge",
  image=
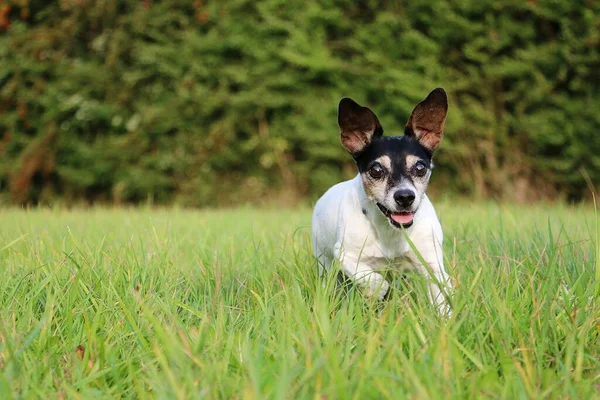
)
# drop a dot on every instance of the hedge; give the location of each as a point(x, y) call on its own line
point(206, 103)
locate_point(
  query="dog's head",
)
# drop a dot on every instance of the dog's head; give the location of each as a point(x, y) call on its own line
point(395, 170)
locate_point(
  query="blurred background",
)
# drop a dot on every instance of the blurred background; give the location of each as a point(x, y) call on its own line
point(220, 103)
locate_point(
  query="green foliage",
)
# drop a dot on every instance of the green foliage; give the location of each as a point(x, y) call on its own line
point(215, 102)
point(227, 305)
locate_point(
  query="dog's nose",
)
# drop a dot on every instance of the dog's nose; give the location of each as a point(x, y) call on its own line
point(404, 197)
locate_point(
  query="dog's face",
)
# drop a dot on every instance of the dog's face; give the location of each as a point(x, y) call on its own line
point(395, 170)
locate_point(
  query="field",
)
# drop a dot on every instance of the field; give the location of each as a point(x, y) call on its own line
point(173, 303)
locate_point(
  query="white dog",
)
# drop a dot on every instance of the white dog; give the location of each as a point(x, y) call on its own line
point(364, 222)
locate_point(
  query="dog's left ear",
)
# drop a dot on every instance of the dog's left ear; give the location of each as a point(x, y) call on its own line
point(359, 126)
point(426, 123)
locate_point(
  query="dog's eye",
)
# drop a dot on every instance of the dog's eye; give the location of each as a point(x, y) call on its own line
point(376, 171)
point(420, 169)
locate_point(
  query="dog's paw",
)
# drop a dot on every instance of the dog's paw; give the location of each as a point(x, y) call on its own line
point(445, 310)
point(377, 287)
point(440, 302)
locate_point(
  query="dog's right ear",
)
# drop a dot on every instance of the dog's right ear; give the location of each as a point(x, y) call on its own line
point(358, 126)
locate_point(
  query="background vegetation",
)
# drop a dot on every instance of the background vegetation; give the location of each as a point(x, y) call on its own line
point(222, 102)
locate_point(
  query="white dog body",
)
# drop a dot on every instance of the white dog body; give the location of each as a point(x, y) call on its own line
point(382, 219)
point(366, 244)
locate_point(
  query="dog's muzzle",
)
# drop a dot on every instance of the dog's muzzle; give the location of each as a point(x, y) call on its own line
point(402, 219)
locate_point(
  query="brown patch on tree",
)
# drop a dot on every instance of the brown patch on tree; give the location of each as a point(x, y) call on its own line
point(38, 159)
point(4, 20)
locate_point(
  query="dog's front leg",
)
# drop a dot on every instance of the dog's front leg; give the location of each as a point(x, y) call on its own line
point(372, 283)
point(439, 279)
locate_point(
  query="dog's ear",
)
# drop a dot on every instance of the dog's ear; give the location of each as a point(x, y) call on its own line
point(426, 123)
point(358, 126)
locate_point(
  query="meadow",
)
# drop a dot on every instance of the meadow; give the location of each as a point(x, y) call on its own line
point(174, 303)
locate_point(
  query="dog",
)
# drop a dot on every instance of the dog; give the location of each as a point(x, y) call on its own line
point(383, 218)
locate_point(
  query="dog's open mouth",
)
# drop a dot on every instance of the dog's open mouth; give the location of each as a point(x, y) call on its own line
point(398, 219)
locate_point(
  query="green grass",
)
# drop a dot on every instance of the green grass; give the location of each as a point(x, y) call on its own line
point(227, 304)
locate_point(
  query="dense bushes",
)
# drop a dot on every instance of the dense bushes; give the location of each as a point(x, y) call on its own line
point(207, 103)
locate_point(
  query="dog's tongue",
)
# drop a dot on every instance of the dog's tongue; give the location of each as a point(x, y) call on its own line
point(403, 218)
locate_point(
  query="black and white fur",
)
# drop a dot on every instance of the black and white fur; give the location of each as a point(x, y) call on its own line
point(360, 222)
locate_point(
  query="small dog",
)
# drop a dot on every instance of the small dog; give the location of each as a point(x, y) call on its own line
point(364, 222)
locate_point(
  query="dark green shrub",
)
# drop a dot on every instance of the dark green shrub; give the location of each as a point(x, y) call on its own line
point(208, 103)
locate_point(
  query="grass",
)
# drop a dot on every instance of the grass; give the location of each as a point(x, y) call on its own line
point(227, 304)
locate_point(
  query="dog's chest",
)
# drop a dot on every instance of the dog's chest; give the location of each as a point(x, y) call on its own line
point(385, 251)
